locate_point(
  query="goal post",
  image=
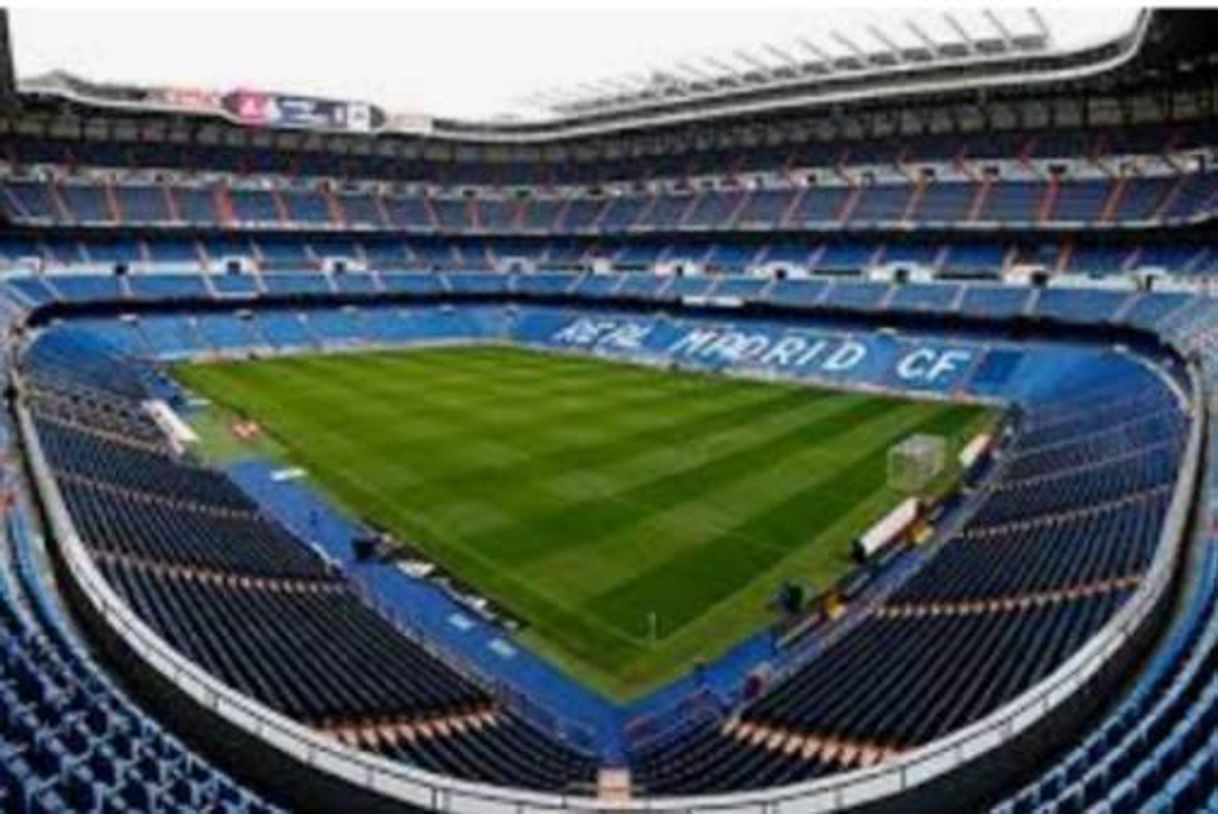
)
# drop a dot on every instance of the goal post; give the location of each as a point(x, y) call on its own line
point(916, 461)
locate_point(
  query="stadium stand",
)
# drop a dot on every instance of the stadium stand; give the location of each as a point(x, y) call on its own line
point(235, 592)
point(1044, 642)
point(72, 739)
point(1120, 474)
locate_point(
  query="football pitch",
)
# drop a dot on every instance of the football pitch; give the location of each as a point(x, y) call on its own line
point(635, 520)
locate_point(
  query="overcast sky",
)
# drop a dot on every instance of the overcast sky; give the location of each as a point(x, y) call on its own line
point(459, 58)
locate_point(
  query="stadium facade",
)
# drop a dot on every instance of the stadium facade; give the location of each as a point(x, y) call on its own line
point(988, 222)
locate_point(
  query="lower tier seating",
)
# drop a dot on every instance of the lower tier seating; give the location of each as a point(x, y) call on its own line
point(235, 592)
point(1060, 538)
point(1046, 560)
point(69, 739)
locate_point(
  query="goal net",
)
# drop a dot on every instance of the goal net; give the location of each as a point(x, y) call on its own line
point(915, 461)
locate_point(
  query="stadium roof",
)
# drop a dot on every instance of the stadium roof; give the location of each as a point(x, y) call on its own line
point(430, 62)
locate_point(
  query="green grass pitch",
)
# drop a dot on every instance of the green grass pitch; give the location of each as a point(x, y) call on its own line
point(583, 495)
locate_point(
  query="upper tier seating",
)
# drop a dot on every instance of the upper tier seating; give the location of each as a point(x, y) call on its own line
point(1023, 199)
point(716, 253)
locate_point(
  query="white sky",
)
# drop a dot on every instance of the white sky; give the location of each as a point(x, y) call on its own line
point(457, 58)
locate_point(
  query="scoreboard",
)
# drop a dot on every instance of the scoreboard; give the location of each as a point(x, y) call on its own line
point(302, 112)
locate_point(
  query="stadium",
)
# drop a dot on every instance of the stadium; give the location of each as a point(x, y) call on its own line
point(812, 433)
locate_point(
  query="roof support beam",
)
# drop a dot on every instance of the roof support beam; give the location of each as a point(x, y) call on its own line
point(887, 41)
point(696, 72)
point(783, 55)
point(754, 62)
point(853, 46)
point(923, 37)
point(1001, 27)
point(1041, 25)
point(965, 37)
point(820, 53)
point(726, 71)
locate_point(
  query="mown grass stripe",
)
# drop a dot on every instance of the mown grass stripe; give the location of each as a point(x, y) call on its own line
point(583, 522)
point(722, 565)
point(710, 510)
